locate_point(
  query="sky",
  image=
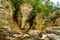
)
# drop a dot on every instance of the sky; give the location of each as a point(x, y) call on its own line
point(55, 1)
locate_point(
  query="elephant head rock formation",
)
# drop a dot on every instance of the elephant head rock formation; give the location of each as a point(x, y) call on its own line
point(25, 10)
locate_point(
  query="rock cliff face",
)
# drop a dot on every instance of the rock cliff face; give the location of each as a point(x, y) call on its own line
point(55, 17)
point(58, 21)
point(17, 31)
point(24, 15)
point(6, 19)
point(7, 5)
point(41, 23)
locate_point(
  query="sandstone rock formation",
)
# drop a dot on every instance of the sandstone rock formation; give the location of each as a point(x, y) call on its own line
point(6, 19)
point(24, 15)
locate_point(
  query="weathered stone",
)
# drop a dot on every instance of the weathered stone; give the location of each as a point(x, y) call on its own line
point(41, 23)
point(6, 4)
point(58, 21)
point(6, 19)
point(26, 11)
point(34, 32)
point(54, 17)
point(38, 20)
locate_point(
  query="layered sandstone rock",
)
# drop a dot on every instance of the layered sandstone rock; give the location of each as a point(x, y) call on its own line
point(24, 14)
point(6, 19)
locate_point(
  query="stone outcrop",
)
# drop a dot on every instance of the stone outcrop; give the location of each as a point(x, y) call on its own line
point(6, 19)
point(24, 14)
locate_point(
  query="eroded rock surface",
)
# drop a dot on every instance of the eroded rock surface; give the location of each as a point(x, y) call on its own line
point(6, 19)
point(26, 12)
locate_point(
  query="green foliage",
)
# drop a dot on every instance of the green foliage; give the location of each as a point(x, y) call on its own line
point(15, 6)
point(38, 6)
point(16, 3)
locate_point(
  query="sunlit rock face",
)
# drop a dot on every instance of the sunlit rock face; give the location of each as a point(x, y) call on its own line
point(38, 20)
point(26, 27)
point(55, 17)
point(41, 23)
point(26, 11)
point(34, 32)
point(6, 4)
point(4, 13)
point(58, 21)
point(6, 20)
